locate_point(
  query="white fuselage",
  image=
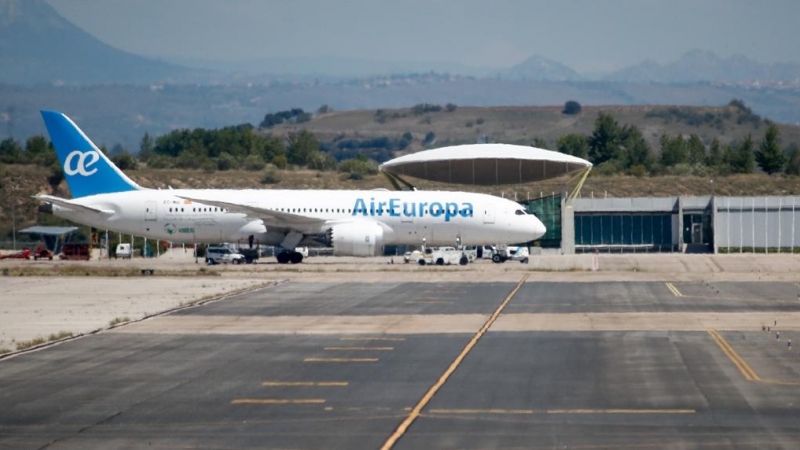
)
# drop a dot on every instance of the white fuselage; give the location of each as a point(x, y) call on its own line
point(407, 217)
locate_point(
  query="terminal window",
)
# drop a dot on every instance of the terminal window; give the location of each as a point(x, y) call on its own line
point(623, 230)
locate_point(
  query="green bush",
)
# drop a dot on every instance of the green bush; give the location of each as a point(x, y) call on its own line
point(271, 175)
point(254, 162)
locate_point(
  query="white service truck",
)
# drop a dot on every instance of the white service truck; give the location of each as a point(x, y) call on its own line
point(438, 256)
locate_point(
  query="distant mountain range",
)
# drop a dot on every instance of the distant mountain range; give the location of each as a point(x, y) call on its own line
point(539, 68)
point(693, 66)
point(698, 65)
point(37, 45)
point(122, 95)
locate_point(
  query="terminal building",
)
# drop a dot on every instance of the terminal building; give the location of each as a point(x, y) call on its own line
point(706, 224)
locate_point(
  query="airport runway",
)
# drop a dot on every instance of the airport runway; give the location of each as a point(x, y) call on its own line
point(610, 365)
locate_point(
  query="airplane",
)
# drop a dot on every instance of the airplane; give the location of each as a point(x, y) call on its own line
point(352, 222)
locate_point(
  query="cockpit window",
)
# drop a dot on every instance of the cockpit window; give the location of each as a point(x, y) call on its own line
point(520, 212)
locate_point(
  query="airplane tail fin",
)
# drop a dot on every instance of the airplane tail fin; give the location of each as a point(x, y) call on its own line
point(87, 170)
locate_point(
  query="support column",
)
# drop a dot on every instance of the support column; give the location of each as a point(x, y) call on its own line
point(567, 225)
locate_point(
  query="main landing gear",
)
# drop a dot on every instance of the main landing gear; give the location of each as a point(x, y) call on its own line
point(289, 257)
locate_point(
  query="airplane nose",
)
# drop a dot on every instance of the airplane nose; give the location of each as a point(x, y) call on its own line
point(537, 228)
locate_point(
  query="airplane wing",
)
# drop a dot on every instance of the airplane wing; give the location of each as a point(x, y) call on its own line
point(278, 219)
point(64, 203)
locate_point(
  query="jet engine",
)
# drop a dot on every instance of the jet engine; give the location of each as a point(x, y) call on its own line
point(356, 239)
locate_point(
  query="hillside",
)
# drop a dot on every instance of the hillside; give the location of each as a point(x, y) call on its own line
point(521, 125)
point(37, 45)
point(21, 182)
point(502, 124)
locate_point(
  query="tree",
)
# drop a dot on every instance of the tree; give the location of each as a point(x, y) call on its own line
point(10, 151)
point(714, 158)
point(635, 150)
point(39, 151)
point(604, 142)
point(324, 109)
point(743, 158)
point(673, 150)
point(254, 162)
point(321, 161)
point(226, 161)
point(696, 150)
point(728, 158)
point(540, 143)
point(769, 155)
point(793, 159)
point(301, 145)
point(125, 161)
point(450, 107)
point(573, 144)
point(145, 148)
point(571, 107)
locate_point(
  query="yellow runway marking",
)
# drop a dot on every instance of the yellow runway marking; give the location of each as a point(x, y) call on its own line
point(376, 349)
point(340, 360)
point(782, 382)
point(277, 401)
point(562, 411)
point(674, 290)
point(397, 339)
point(415, 413)
point(741, 364)
point(305, 384)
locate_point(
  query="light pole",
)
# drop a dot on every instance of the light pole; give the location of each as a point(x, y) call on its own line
point(13, 199)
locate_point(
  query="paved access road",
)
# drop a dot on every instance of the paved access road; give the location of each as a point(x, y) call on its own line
point(343, 364)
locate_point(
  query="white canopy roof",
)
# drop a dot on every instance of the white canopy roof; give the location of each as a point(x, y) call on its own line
point(485, 164)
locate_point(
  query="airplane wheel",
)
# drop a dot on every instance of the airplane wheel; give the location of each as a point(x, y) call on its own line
point(463, 261)
point(282, 257)
point(497, 258)
point(295, 257)
point(421, 262)
point(440, 262)
point(237, 261)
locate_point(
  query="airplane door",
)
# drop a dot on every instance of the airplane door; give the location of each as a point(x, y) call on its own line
point(150, 211)
point(488, 214)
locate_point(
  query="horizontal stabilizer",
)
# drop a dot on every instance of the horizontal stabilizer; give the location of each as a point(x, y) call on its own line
point(69, 204)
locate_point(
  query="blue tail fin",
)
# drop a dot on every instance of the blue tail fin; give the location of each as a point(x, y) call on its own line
point(87, 170)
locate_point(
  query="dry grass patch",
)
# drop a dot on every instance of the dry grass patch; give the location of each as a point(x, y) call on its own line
point(119, 320)
point(98, 271)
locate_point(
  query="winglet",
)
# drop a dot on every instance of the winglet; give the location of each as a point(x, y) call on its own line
point(87, 170)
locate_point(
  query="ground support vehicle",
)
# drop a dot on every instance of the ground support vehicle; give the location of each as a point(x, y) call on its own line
point(443, 256)
point(23, 254)
point(76, 252)
point(504, 253)
point(223, 255)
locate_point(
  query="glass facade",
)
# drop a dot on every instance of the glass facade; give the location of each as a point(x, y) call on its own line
point(548, 210)
point(654, 230)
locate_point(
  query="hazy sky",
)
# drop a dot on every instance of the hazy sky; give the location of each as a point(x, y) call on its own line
point(587, 35)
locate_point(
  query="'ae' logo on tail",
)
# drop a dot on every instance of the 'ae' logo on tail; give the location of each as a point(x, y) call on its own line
point(78, 163)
